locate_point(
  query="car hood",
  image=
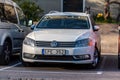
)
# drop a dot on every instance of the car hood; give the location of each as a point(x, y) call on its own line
point(59, 35)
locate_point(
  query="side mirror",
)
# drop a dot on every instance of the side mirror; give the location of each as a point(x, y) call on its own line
point(33, 26)
point(96, 28)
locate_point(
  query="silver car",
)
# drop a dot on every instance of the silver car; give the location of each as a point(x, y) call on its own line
point(12, 29)
point(63, 37)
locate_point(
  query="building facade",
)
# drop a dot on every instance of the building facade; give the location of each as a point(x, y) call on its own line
point(94, 6)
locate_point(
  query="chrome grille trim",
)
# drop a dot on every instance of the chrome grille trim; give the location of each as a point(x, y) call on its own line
point(60, 44)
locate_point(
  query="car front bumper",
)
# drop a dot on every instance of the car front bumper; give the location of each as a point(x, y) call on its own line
point(73, 55)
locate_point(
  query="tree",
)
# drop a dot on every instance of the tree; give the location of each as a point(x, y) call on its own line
point(31, 10)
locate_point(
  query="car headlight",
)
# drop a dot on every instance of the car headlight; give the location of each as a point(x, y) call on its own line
point(29, 41)
point(84, 43)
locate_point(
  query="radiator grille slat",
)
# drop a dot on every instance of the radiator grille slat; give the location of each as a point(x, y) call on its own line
point(60, 44)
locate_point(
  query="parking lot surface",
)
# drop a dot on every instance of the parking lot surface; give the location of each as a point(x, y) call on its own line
point(107, 69)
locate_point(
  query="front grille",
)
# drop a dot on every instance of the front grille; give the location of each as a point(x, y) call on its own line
point(60, 44)
point(59, 58)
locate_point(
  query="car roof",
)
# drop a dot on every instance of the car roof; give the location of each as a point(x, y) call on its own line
point(67, 13)
point(10, 2)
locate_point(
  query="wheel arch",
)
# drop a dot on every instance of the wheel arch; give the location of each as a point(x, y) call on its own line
point(9, 40)
point(6, 38)
point(98, 46)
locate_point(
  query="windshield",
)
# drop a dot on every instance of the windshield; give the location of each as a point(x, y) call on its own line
point(64, 22)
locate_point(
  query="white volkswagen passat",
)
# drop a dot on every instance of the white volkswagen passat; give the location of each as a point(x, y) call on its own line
point(63, 37)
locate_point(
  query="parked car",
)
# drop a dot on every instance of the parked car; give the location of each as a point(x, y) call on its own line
point(12, 29)
point(63, 37)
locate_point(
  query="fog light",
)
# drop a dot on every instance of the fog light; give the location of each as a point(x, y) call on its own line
point(82, 57)
point(87, 56)
point(28, 55)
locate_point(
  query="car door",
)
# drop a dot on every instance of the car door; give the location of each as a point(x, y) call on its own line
point(18, 34)
point(18, 37)
point(22, 21)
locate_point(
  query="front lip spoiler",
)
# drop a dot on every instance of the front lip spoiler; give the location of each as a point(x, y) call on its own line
point(53, 61)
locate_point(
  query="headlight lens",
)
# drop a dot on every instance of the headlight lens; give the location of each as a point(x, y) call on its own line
point(29, 41)
point(84, 42)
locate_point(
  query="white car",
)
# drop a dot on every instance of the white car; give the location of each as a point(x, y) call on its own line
point(63, 37)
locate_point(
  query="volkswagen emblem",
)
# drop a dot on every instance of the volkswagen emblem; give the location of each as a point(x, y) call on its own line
point(54, 44)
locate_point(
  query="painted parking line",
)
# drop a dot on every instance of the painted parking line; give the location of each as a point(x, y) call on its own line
point(56, 72)
point(5, 68)
point(99, 72)
point(49, 72)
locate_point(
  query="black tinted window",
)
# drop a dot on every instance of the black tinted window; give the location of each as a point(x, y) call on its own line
point(10, 14)
point(2, 15)
point(21, 16)
point(64, 22)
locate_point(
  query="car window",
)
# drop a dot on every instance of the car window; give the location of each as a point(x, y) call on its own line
point(2, 14)
point(21, 16)
point(10, 13)
point(64, 22)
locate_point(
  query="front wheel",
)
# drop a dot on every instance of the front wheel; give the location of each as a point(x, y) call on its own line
point(96, 58)
point(6, 52)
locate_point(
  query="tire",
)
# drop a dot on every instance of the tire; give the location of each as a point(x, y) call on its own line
point(96, 59)
point(118, 62)
point(6, 53)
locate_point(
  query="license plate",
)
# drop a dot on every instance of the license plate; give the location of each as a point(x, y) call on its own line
point(53, 52)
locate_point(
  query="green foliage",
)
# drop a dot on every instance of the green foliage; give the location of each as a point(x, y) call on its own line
point(99, 18)
point(31, 10)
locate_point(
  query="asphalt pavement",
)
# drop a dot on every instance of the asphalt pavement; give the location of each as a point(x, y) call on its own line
point(106, 70)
